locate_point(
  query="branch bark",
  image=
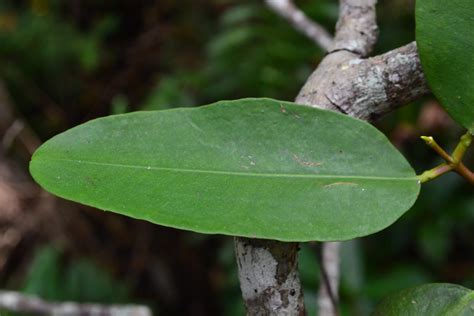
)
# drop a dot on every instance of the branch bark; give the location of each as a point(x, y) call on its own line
point(268, 274)
point(21, 303)
point(365, 88)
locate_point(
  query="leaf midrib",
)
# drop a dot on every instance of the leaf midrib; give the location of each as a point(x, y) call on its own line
point(235, 173)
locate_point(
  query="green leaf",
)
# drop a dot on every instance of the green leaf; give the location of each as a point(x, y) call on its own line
point(53, 278)
point(254, 167)
point(44, 275)
point(437, 299)
point(446, 47)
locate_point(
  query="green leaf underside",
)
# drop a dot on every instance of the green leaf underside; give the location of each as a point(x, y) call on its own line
point(254, 167)
point(438, 299)
point(446, 47)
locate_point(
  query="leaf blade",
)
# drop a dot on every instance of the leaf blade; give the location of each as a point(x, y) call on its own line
point(231, 182)
point(428, 299)
point(445, 42)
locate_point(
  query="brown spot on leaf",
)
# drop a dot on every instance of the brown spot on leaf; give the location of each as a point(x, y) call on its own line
point(306, 163)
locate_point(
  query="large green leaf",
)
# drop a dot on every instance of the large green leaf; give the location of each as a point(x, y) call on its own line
point(446, 45)
point(254, 167)
point(438, 299)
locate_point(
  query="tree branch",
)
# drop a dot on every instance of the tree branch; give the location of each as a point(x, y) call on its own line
point(356, 28)
point(268, 274)
point(366, 88)
point(314, 31)
point(21, 303)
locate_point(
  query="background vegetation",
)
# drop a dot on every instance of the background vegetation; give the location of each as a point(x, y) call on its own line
point(65, 62)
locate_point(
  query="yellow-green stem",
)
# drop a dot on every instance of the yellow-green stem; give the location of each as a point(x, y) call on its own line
point(453, 161)
point(462, 146)
point(434, 173)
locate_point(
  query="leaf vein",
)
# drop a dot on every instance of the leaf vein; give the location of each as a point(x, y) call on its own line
point(235, 173)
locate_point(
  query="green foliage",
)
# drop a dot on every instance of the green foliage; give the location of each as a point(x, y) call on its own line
point(52, 279)
point(429, 299)
point(55, 43)
point(401, 277)
point(247, 58)
point(279, 170)
point(252, 53)
point(444, 37)
point(170, 92)
point(80, 72)
point(44, 59)
point(44, 275)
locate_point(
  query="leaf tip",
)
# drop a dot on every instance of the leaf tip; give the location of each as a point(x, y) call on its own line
point(427, 139)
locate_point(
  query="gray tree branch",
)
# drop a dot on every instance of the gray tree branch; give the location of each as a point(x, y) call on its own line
point(21, 303)
point(365, 88)
point(314, 31)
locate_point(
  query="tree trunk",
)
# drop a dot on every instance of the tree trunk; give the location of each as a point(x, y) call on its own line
point(268, 274)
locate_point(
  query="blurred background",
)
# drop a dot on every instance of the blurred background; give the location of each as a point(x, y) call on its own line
point(65, 62)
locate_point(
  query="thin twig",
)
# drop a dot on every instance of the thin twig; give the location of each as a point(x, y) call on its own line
point(313, 30)
point(21, 303)
point(11, 133)
point(434, 173)
point(436, 147)
point(453, 161)
point(328, 290)
point(458, 154)
point(13, 127)
point(463, 145)
point(326, 281)
point(465, 172)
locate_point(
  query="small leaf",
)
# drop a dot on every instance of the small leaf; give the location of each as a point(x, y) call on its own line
point(437, 299)
point(446, 47)
point(254, 167)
